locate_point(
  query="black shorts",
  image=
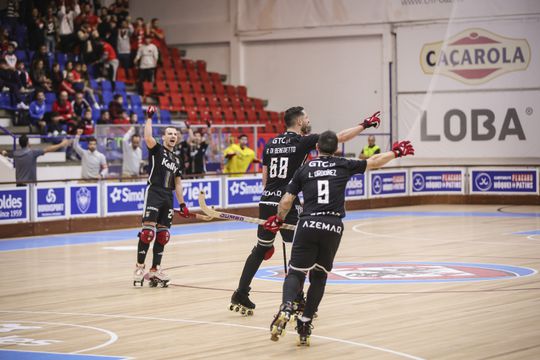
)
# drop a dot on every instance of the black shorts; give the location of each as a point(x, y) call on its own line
point(316, 242)
point(267, 208)
point(158, 206)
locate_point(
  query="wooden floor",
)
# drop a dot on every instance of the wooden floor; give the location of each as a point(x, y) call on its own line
point(81, 296)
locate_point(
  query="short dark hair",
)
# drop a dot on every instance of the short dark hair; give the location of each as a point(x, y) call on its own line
point(291, 114)
point(328, 142)
point(117, 96)
point(23, 141)
point(90, 139)
point(242, 135)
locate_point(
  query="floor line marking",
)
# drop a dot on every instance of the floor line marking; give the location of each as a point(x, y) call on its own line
point(112, 336)
point(201, 322)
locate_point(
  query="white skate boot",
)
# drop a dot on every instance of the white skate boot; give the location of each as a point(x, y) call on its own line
point(138, 275)
point(157, 277)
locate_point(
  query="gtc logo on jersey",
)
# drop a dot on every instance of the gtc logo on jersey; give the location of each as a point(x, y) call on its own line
point(475, 56)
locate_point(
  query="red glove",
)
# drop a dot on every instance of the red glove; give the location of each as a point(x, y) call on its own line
point(273, 223)
point(150, 111)
point(184, 211)
point(402, 148)
point(372, 121)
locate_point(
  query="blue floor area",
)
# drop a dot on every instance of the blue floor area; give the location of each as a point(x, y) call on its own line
point(188, 229)
point(35, 355)
point(532, 232)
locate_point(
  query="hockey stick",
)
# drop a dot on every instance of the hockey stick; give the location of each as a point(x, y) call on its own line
point(284, 258)
point(228, 216)
point(196, 216)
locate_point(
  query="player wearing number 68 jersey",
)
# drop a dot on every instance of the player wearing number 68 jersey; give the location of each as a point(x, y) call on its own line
point(281, 157)
point(319, 229)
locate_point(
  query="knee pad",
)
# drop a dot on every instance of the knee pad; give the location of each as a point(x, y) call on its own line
point(146, 235)
point(263, 252)
point(163, 236)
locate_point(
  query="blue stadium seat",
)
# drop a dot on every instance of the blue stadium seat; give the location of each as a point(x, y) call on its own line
point(94, 84)
point(135, 100)
point(107, 97)
point(21, 55)
point(5, 101)
point(120, 86)
point(50, 97)
point(165, 116)
point(61, 58)
point(106, 85)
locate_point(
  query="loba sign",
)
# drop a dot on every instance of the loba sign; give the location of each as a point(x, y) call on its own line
point(471, 125)
point(475, 56)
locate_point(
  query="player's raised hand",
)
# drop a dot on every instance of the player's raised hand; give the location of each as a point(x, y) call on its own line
point(372, 121)
point(273, 223)
point(184, 211)
point(187, 124)
point(208, 124)
point(402, 148)
point(150, 111)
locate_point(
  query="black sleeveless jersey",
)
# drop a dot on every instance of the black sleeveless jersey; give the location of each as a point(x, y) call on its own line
point(283, 155)
point(164, 167)
point(323, 182)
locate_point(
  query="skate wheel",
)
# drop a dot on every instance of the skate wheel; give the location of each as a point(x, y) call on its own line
point(250, 312)
point(237, 309)
point(231, 307)
point(243, 311)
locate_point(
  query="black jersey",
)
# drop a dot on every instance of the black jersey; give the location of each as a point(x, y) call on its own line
point(182, 150)
point(164, 167)
point(323, 182)
point(283, 155)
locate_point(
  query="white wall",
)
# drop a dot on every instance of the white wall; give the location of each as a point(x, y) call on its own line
point(217, 56)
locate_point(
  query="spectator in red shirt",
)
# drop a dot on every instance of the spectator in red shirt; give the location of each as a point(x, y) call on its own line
point(88, 16)
point(62, 107)
point(87, 124)
point(137, 37)
point(110, 59)
point(158, 35)
point(67, 85)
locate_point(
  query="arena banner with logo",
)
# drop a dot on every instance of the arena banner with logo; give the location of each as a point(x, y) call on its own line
point(503, 181)
point(437, 181)
point(471, 125)
point(388, 183)
point(243, 191)
point(14, 205)
point(124, 198)
point(192, 188)
point(84, 200)
point(466, 56)
point(356, 188)
point(50, 202)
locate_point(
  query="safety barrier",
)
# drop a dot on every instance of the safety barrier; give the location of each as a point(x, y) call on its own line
point(71, 199)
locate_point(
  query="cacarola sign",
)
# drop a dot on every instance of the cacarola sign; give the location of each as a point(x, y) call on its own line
point(475, 56)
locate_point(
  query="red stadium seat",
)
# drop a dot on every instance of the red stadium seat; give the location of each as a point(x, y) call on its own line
point(230, 90)
point(161, 87)
point(148, 88)
point(242, 91)
point(164, 103)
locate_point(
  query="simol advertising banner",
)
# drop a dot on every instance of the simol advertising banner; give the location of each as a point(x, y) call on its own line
point(245, 191)
point(51, 202)
point(388, 183)
point(465, 56)
point(471, 125)
point(14, 205)
point(437, 181)
point(124, 198)
point(498, 181)
point(84, 200)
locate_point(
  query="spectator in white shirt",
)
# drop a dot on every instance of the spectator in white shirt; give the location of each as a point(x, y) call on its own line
point(132, 153)
point(66, 28)
point(93, 163)
point(147, 58)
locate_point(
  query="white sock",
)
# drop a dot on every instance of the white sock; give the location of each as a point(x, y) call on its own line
point(304, 319)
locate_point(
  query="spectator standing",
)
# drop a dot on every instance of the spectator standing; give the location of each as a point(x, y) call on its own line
point(93, 163)
point(25, 159)
point(198, 149)
point(50, 30)
point(66, 28)
point(238, 157)
point(370, 149)
point(147, 57)
point(157, 34)
point(123, 46)
point(132, 153)
point(109, 59)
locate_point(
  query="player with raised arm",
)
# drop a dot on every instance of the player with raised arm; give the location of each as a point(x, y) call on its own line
point(319, 229)
point(282, 155)
point(165, 172)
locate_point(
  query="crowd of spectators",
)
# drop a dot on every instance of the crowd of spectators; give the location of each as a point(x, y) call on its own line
point(58, 49)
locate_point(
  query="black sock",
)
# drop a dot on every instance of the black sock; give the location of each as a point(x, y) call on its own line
point(142, 250)
point(253, 262)
point(158, 254)
point(292, 285)
point(315, 293)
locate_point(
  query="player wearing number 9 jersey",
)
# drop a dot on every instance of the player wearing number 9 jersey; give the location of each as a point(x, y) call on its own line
point(282, 156)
